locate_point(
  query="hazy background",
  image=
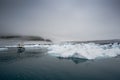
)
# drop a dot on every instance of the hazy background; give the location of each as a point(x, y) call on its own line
point(61, 20)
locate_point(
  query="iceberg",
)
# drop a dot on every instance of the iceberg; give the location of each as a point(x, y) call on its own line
point(85, 50)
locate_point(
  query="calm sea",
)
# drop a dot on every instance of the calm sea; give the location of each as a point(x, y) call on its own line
point(36, 64)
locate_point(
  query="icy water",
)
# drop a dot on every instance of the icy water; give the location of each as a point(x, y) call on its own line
point(38, 65)
point(61, 62)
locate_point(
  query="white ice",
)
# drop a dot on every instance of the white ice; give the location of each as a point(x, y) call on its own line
point(85, 50)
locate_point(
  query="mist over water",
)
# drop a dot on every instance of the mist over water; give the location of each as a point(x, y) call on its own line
point(64, 20)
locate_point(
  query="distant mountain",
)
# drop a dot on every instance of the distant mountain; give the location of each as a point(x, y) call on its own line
point(97, 41)
point(28, 38)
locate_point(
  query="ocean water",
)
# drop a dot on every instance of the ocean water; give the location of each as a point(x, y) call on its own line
point(86, 61)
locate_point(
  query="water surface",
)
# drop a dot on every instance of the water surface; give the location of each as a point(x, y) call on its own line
point(38, 65)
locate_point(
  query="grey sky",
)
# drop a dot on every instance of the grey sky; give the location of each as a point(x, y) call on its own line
point(61, 19)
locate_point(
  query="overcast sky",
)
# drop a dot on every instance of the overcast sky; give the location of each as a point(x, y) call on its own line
point(61, 19)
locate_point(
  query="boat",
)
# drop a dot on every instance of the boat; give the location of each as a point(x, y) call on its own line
point(21, 48)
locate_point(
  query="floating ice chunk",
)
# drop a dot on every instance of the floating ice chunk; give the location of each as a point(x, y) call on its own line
point(85, 50)
point(3, 49)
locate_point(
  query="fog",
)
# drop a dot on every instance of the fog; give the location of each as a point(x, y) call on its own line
point(61, 20)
